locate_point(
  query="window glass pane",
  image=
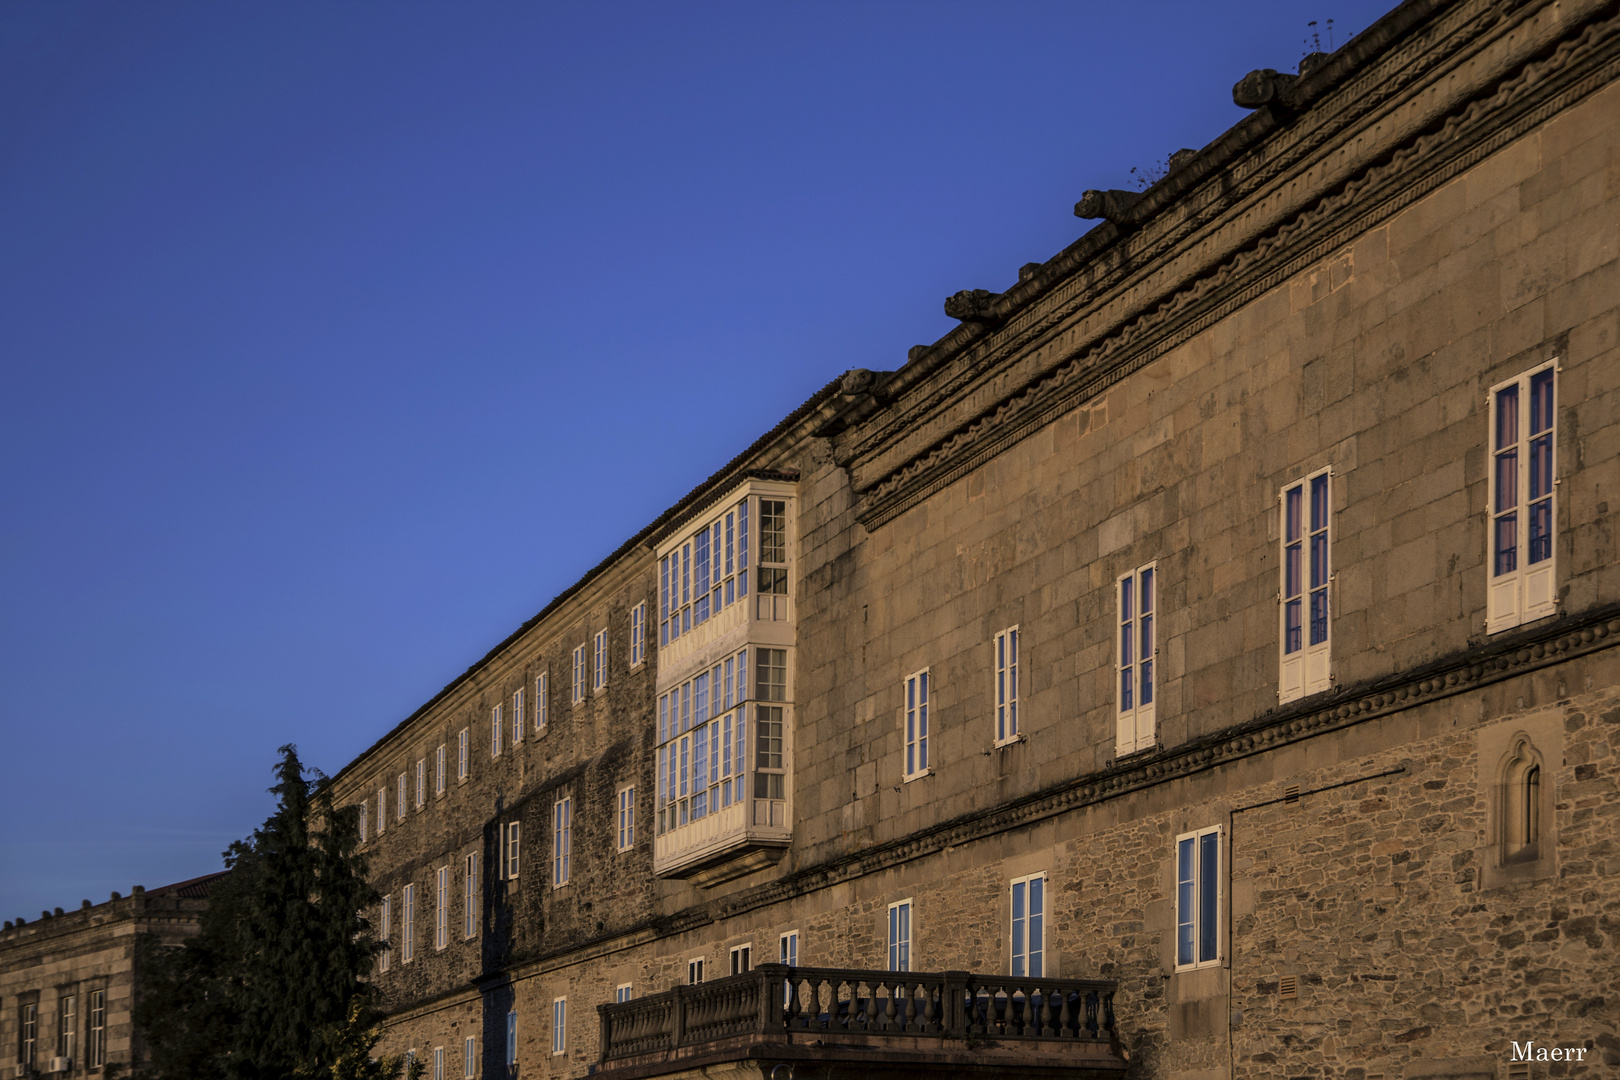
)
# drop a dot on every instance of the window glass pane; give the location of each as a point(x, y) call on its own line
point(1507, 417)
point(1184, 901)
point(1208, 885)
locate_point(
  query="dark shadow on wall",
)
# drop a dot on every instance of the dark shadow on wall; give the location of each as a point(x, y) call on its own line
point(496, 938)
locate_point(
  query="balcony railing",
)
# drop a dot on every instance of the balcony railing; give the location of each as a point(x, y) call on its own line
point(768, 1011)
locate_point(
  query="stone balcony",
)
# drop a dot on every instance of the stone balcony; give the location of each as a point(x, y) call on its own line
point(777, 1022)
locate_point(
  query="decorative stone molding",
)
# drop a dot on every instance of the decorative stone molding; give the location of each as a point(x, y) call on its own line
point(972, 305)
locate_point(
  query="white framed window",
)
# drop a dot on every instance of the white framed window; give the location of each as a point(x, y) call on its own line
point(495, 739)
point(67, 1025)
point(511, 838)
point(461, 755)
point(438, 771)
point(1029, 926)
point(441, 904)
point(706, 574)
point(916, 727)
point(29, 1039)
point(469, 1057)
point(387, 928)
point(900, 935)
point(599, 663)
point(742, 958)
point(694, 971)
point(470, 896)
point(382, 810)
point(1304, 614)
point(623, 992)
point(511, 1039)
point(95, 1050)
point(365, 820)
point(638, 634)
point(559, 1025)
point(1523, 489)
point(1136, 603)
point(438, 1063)
point(1198, 898)
point(1006, 686)
point(787, 948)
point(540, 703)
point(517, 715)
point(627, 818)
point(407, 930)
point(579, 675)
point(562, 839)
point(399, 803)
point(421, 782)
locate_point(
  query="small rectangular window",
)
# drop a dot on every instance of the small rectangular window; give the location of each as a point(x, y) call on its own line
point(387, 926)
point(495, 732)
point(511, 838)
point(638, 634)
point(1304, 613)
point(407, 942)
point(900, 936)
point(599, 663)
point(1198, 898)
point(579, 675)
point(1523, 485)
point(694, 971)
point(916, 728)
point(517, 715)
point(441, 908)
point(1135, 659)
point(421, 782)
point(1029, 926)
point(627, 818)
point(461, 757)
point(742, 958)
point(787, 948)
point(562, 839)
point(559, 1026)
point(470, 896)
point(469, 1057)
point(511, 1040)
point(438, 771)
point(96, 1049)
point(399, 803)
point(622, 993)
point(1006, 687)
point(540, 704)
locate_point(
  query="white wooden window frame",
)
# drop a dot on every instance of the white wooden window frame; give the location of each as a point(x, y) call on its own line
point(638, 635)
point(469, 1057)
point(407, 928)
point(95, 1050)
point(787, 948)
point(441, 914)
point(623, 992)
point(438, 771)
point(1529, 591)
point(1308, 669)
point(495, 726)
point(1026, 926)
point(916, 730)
point(518, 716)
point(387, 921)
point(599, 662)
point(461, 756)
point(559, 1026)
point(1201, 919)
point(1004, 689)
point(741, 958)
point(902, 928)
point(438, 1063)
point(382, 810)
point(469, 896)
point(1136, 722)
point(694, 970)
point(511, 849)
point(421, 782)
point(365, 820)
point(402, 796)
point(562, 840)
point(626, 802)
point(579, 675)
point(541, 703)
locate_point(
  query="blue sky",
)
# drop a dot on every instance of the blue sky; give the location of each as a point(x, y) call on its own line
point(337, 339)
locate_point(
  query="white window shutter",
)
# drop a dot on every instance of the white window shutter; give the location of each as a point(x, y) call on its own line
point(1502, 602)
point(1316, 667)
point(1125, 737)
point(1537, 594)
point(1291, 682)
point(1144, 719)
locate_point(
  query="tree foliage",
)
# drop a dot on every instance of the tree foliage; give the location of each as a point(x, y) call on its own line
point(273, 986)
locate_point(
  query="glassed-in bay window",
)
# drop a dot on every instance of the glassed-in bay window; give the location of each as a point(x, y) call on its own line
point(705, 575)
point(703, 738)
point(1523, 485)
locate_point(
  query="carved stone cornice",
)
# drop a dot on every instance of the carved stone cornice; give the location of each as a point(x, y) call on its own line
point(1132, 335)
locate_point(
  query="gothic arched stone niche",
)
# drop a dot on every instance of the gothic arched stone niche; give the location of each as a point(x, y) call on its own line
point(1519, 760)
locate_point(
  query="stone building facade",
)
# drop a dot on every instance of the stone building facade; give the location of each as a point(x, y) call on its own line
point(68, 980)
point(1221, 619)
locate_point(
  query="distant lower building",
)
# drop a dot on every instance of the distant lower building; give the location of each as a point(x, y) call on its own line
point(68, 980)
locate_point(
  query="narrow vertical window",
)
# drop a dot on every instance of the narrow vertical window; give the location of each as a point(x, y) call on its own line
point(916, 726)
point(470, 896)
point(579, 675)
point(1029, 926)
point(461, 756)
point(773, 575)
point(365, 820)
point(387, 928)
point(421, 782)
point(638, 634)
point(407, 929)
point(1306, 575)
point(28, 1042)
point(562, 839)
point(599, 666)
point(1524, 478)
point(1519, 809)
point(1198, 898)
point(694, 971)
point(1136, 604)
point(382, 810)
point(518, 715)
point(511, 1040)
point(95, 1051)
point(1006, 688)
point(469, 1057)
point(441, 907)
point(438, 771)
point(495, 732)
point(67, 1027)
point(540, 704)
point(627, 818)
point(513, 836)
point(900, 936)
point(787, 948)
point(399, 802)
point(559, 1026)
point(438, 1063)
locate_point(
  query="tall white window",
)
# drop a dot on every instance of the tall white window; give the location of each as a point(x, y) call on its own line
point(599, 663)
point(399, 803)
point(623, 992)
point(1524, 479)
point(438, 771)
point(638, 634)
point(407, 930)
point(469, 1057)
point(382, 810)
point(421, 782)
point(540, 704)
point(900, 936)
point(742, 958)
point(1135, 649)
point(511, 1039)
point(1306, 577)
point(95, 1050)
point(559, 1026)
point(441, 903)
point(365, 820)
point(579, 675)
point(694, 971)
point(29, 1038)
point(916, 727)
point(627, 818)
point(517, 715)
point(787, 948)
point(562, 839)
point(495, 732)
point(706, 574)
point(1029, 926)
point(1198, 898)
point(461, 755)
point(387, 920)
point(438, 1063)
point(469, 896)
point(67, 1026)
point(1006, 688)
point(511, 841)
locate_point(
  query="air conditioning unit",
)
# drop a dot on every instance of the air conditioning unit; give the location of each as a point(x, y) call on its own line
point(60, 1065)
